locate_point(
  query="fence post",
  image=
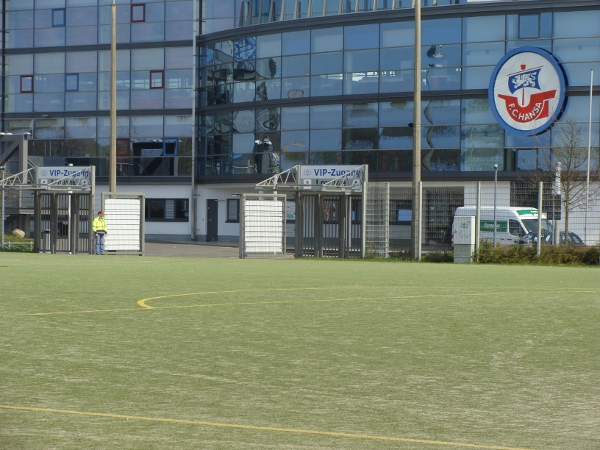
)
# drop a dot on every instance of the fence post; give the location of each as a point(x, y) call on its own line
point(477, 219)
point(538, 249)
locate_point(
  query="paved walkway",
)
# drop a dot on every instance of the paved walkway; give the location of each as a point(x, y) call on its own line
point(193, 249)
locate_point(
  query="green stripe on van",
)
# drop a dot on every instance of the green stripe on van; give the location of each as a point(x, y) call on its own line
point(527, 212)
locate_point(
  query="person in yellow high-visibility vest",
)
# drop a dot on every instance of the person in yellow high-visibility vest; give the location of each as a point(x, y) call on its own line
point(100, 231)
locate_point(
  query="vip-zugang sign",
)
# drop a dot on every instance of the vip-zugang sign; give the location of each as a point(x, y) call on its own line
point(527, 91)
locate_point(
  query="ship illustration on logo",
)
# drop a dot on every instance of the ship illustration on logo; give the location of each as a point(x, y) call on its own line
point(537, 106)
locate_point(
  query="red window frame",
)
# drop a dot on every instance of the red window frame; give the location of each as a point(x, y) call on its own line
point(138, 5)
point(24, 77)
point(162, 79)
point(123, 147)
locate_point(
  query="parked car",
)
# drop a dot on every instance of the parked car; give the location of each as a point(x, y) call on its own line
point(547, 238)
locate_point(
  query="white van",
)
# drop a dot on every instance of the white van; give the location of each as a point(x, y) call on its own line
point(512, 223)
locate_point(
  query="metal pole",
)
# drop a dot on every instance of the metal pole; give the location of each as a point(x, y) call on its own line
point(112, 157)
point(3, 168)
point(589, 153)
point(477, 219)
point(416, 166)
point(538, 247)
point(495, 199)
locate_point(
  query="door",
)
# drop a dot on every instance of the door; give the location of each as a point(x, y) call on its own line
point(212, 220)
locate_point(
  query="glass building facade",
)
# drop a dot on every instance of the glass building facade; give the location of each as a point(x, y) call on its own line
point(216, 95)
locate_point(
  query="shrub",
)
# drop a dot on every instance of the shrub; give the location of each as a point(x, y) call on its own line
point(562, 255)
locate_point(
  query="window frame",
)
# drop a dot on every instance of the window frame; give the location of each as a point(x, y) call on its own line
point(235, 217)
point(180, 215)
point(162, 79)
point(64, 17)
point(138, 5)
point(26, 91)
point(67, 75)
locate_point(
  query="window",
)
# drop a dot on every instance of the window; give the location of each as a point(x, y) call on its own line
point(58, 17)
point(123, 147)
point(138, 12)
point(514, 227)
point(71, 82)
point(400, 212)
point(233, 210)
point(26, 83)
point(167, 210)
point(157, 79)
point(529, 26)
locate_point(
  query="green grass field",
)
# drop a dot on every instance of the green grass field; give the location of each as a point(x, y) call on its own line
point(184, 353)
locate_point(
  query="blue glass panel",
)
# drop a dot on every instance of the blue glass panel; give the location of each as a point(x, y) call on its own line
point(295, 87)
point(71, 82)
point(578, 109)
point(268, 90)
point(268, 45)
point(81, 128)
point(441, 31)
point(19, 20)
point(442, 160)
point(104, 100)
point(529, 26)
point(241, 122)
point(123, 81)
point(361, 83)
point(482, 159)
point(179, 10)
point(79, 17)
point(143, 32)
point(178, 58)
point(361, 36)
point(82, 62)
point(396, 114)
point(268, 68)
point(477, 77)
point(147, 99)
point(297, 42)
point(49, 37)
point(483, 28)
point(327, 40)
point(488, 53)
point(325, 116)
point(391, 138)
point(482, 136)
point(294, 66)
point(294, 141)
point(441, 55)
point(324, 85)
point(49, 83)
point(360, 115)
point(576, 24)
point(88, 82)
point(361, 61)
point(244, 92)
point(397, 58)
point(323, 63)
point(58, 17)
point(397, 34)
point(20, 103)
point(441, 112)
point(578, 74)
point(49, 102)
point(295, 118)
point(544, 44)
point(179, 98)
point(395, 161)
point(325, 140)
point(82, 35)
point(155, 12)
point(441, 136)
point(477, 111)
point(81, 101)
point(329, 157)
point(20, 39)
point(396, 81)
point(576, 50)
point(179, 31)
point(19, 64)
point(360, 138)
point(441, 79)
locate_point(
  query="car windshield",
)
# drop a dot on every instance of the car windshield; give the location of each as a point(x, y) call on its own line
point(532, 225)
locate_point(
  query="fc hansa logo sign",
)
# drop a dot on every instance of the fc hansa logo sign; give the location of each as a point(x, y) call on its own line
point(527, 91)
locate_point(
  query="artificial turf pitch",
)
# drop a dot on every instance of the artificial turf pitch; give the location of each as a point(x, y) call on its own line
point(182, 353)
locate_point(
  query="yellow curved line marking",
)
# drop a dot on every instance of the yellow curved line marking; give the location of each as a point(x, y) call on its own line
point(261, 428)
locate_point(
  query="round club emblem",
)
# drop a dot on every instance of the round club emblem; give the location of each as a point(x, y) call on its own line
point(527, 91)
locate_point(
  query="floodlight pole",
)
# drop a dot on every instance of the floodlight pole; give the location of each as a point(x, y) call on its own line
point(416, 166)
point(112, 157)
point(3, 169)
point(589, 154)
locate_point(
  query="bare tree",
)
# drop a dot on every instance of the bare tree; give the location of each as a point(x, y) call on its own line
point(568, 161)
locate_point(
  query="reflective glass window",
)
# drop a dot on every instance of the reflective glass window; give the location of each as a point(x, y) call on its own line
point(122, 100)
point(49, 83)
point(149, 31)
point(295, 118)
point(157, 79)
point(49, 102)
point(476, 110)
point(437, 79)
point(325, 140)
point(244, 92)
point(297, 42)
point(488, 53)
point(178, 79)
point(268, 68)
point(579, 50)
point(396, 81)
point(441, 136)
point(268, 45)
point(123, 62)
point(294, 66)
point(19, 64)
point(20, 39)
point(49, 63)
point(138, 12)
point(123, 33)
point(391, 138)
point(438, 112)
point(80, 128)
point(103, 127)
point(82, 35)
point(268, 90)
point(397, 58)
point(397, 34)
point(482, 159)
point(82, 62)
point(361, 37)
point(49, 128)
point(244, 49)
point(361, 83)
point(327, 40)
point(442, 160)
point(325, 85)
point(49, 37)
point(360, 115)
point(26, 83)
point(482, 136)
point(177, 10)
point(243, 143)
point(441, 55)
point(78, 17)
point(576, 23)
point(147, 99)
point(322, 63)
point(529, 26)
point(20, 103)
point(441, 31)
point(360, 139)
point(361, 61)
point(71, 82)
point(80, 101)
point(223, 52)
point(155, 12)
point(19, 4)
point(399, 113)
point(19, 20)
point(123, 81)
point(178, 58)
point(139, 80)
point(147, 59)
point(241, 121)
point(483, 28)
point(82, 2)
point(325, 116)
point(179, 98)
point(39, 4)
point(295, 87)
point(268, 119)
point(178, 31)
